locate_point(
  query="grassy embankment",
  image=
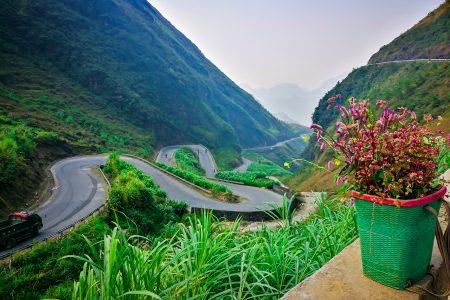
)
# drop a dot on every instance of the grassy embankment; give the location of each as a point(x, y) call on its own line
point(136, 204)
point(186, 160)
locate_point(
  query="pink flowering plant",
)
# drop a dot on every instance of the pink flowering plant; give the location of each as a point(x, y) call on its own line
point(385, 152)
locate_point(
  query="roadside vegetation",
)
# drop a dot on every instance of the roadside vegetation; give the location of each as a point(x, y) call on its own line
point(257, 179)
point(186, 160)
point(136, 204)
point(219, 191)
point(39, 272)
point(17, 143)
point(209, 259)
point(263, 165)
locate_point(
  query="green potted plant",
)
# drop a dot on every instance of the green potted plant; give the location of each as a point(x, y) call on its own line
point(391, 163)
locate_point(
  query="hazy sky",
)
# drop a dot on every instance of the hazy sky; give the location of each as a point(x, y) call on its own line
point(266, 42)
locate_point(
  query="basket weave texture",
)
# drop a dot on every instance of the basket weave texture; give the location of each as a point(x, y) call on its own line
point(396, 242)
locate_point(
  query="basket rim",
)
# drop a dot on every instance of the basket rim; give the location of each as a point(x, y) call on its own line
point(401, 203)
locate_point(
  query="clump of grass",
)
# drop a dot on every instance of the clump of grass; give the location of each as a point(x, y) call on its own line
point(187, 161)
point(208, 259)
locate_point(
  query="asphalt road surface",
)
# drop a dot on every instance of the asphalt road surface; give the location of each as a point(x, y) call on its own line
point(245, 164)
point(78, 192)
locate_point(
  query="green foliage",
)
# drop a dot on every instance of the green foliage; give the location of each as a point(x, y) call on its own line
point(260, 164)
point(444, 160)
point(216, 189)
point(187, 161)
point(69, 119)
point(257, 179)
point(17, 143)
point(136, 201)
point(211, 260)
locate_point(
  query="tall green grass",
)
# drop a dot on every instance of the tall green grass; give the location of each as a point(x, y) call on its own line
point(208, 259)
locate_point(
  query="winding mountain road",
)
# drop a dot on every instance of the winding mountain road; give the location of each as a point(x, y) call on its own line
point(271, 147)
point(79, 191)
point(430, 60)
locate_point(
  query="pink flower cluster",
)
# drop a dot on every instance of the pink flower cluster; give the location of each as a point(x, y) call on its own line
point(391, 155)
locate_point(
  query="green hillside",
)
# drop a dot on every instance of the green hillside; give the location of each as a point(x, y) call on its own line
point(115, 74)
point(420, 86)
point(430, 38)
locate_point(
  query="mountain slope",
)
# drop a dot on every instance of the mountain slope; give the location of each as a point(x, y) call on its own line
point(126, 58)
point(421, 86)
point(430, 38)
point(94, 76)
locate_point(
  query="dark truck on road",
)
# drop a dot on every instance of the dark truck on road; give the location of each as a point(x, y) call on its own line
point(18, 226)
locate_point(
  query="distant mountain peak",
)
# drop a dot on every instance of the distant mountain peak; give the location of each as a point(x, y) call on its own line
point(290, 102)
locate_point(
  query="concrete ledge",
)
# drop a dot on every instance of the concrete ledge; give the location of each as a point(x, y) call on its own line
point(342, 278)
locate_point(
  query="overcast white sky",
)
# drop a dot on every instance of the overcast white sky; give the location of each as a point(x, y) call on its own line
point(267, 42)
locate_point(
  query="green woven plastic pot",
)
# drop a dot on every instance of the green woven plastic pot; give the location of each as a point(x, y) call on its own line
point(396, 240)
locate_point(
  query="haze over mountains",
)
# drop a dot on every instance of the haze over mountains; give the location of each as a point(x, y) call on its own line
point(291, 103)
